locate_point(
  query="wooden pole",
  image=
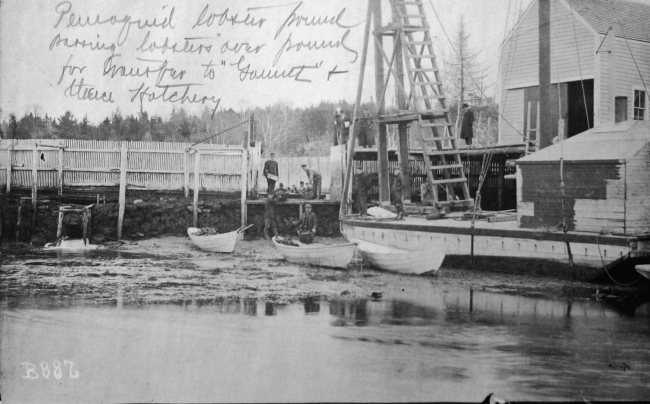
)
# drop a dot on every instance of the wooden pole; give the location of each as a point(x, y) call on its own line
point(59, 228)
point(10, 154)
point(500, 182)
point(382, 144)
point(402, 128)
point(60, 168)
point(611, 44)
point(186, 173)
point(85, 226)
point(251, 129)
point(197, 184)
point(528, 128)
point(545, 131)
point(34, 174)
point(122, 200)
point(348, 175)
point(244, 185)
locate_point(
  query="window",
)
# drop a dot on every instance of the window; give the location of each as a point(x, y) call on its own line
point(639, 105)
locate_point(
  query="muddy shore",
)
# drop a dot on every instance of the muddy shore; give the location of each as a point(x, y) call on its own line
point(172, 270)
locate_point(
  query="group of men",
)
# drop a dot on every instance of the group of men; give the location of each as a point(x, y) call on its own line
point(308, 223)
point(272, 174)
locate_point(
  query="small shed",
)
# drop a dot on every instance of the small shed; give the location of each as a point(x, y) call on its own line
point(606, 172)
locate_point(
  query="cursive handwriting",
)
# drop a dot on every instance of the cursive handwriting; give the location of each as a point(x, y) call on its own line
point(87, 92)
point(226, 16)
point(296, 20)
point(161, 71)
point(247, 73)
point(236, 47)
point(187, 47)
point(64, 9)
point(76, 43)
point(314, 45)
point(169, 94)
point(70, 69)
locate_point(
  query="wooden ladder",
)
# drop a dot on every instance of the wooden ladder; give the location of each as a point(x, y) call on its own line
point(429, 102)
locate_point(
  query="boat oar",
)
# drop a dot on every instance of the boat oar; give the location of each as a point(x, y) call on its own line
point(243, 229)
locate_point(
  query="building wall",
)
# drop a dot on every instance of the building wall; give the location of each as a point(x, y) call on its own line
point(572, 58)
point(627, 76)
point(511, 123)
point(637, 208)
point(519, 65)
point(594, 196)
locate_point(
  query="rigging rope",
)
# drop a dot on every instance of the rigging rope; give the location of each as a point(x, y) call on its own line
point(628, 47)
point(470, 76)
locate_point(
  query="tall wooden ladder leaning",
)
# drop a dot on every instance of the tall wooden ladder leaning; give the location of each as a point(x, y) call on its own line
point(429, 101)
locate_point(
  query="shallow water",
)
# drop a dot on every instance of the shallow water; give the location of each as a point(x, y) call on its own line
point(419, 342)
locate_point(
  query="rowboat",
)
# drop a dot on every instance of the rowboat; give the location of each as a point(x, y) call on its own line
point(644, 270)
point(402, 261)
point(335, 256)
point(223, 243)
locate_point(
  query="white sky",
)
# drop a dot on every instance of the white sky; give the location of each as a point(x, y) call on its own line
point(31, 68)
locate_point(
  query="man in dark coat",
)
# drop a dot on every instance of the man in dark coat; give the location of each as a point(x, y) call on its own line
point(342, 122)
point(363, 188)
point(271, 167)
point(269, 216)
point(397, 189)
point(467, 128)
point(307, 224)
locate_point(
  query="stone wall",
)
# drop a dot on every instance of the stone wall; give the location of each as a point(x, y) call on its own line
point(146, 215)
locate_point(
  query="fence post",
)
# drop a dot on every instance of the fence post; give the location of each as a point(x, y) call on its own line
point(197, 184)
point(244, 177)
point(10, 160)
point(34, 173)
point(61, 168)
point(186, 173)
point(123, 168)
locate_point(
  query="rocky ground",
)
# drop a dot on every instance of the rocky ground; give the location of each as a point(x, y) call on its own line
point(173, 270)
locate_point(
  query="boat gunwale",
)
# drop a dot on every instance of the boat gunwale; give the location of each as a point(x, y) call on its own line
point(533, 234)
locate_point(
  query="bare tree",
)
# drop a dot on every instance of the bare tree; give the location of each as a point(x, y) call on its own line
point(275, 125)
point(463, 72)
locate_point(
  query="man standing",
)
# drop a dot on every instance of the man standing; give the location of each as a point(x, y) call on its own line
point(362, 188)
point(467, 128)
point(314, 178)
point(271, 173)
point(307, 225)
point(269, 216)
point(396, 191)
point(342, 122)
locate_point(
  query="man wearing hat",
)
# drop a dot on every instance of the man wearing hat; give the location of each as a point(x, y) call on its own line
point(271, 173)
point(467, 128)
point(315, 178)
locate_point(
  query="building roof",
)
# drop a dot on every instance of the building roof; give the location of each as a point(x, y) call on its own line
point(610, 141)
point(602, 14)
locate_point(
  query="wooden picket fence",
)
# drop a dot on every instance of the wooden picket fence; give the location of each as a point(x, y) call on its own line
point(61, 164)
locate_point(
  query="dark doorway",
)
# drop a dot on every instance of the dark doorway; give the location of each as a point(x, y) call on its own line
point(580, 118)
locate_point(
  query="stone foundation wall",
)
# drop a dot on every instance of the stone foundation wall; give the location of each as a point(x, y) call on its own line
point(146, 215)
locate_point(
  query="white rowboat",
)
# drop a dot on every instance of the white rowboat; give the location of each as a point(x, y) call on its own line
point(223, 243)
point(335, 256)
point(644, 270)
point(402, 261)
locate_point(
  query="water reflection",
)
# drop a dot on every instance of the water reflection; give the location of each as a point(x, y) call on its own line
point(416, 343)
point(312, 304)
